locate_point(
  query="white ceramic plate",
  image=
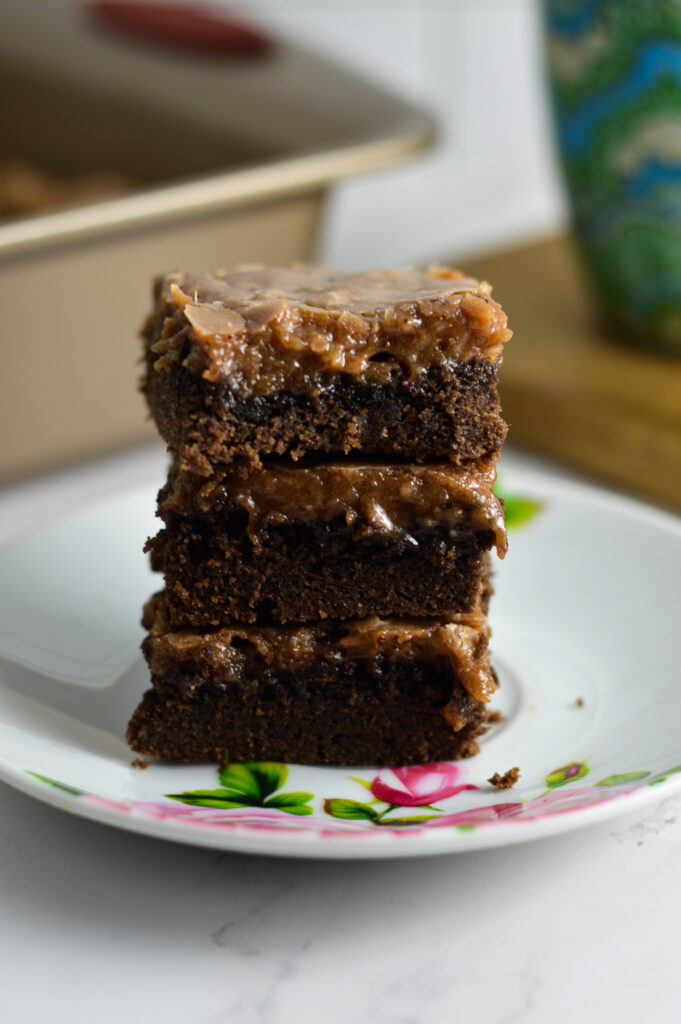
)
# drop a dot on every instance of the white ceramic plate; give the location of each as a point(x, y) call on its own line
point(586, 641)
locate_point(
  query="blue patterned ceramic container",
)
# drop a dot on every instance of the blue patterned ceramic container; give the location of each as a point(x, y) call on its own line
point(615, 68)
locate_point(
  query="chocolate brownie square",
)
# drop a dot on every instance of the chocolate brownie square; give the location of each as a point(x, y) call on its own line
point(306, 360)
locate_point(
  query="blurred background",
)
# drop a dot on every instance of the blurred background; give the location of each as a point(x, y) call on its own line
point(478, 66)
point(142, 136)
point(475, 65)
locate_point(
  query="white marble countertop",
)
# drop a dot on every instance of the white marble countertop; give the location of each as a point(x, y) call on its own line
point(101, 925)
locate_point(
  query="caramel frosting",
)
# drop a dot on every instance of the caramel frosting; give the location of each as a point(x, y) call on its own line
point(228, 652)
point(267, 329)
point(390, 498)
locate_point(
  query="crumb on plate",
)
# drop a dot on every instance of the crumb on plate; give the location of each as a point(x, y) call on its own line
point(505, 781)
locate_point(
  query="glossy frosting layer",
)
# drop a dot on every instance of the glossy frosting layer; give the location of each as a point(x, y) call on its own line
point(389, 498)
point(227, 652)
point(263, 330)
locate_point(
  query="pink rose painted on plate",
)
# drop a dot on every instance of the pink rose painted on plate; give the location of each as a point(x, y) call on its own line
point(419, 785)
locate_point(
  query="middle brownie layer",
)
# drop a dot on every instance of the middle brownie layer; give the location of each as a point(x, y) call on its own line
point(285, 544)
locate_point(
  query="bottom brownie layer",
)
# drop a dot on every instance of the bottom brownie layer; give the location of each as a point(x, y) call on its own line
point(393, 717)
point(372, 691)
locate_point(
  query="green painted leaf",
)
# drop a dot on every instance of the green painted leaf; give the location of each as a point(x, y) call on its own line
point(205, 801)
point(362, 782)
point(215, 794)
point(465, 828)
point(270, 776)
point(286, 800)
point(662, 777)
point(415, 819)
point(238, 778)
point(57, 785)
point(352, 810)
point(518, 510)
point(300, 809)
point(257, 779)
point(617, 780)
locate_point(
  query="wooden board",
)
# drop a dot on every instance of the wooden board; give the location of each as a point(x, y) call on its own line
point(570, 391)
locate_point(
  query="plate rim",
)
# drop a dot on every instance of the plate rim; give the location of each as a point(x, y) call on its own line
point(311, 844)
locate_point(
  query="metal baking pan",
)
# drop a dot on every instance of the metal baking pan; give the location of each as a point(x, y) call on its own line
point(227, 160)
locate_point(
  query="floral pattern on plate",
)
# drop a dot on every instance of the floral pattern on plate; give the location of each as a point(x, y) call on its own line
point(251, 796)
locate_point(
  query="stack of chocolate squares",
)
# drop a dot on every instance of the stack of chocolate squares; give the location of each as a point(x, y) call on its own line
point(328, 515)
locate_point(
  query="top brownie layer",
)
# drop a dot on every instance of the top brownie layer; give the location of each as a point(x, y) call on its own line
point(310, 361)
point(266, 330)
